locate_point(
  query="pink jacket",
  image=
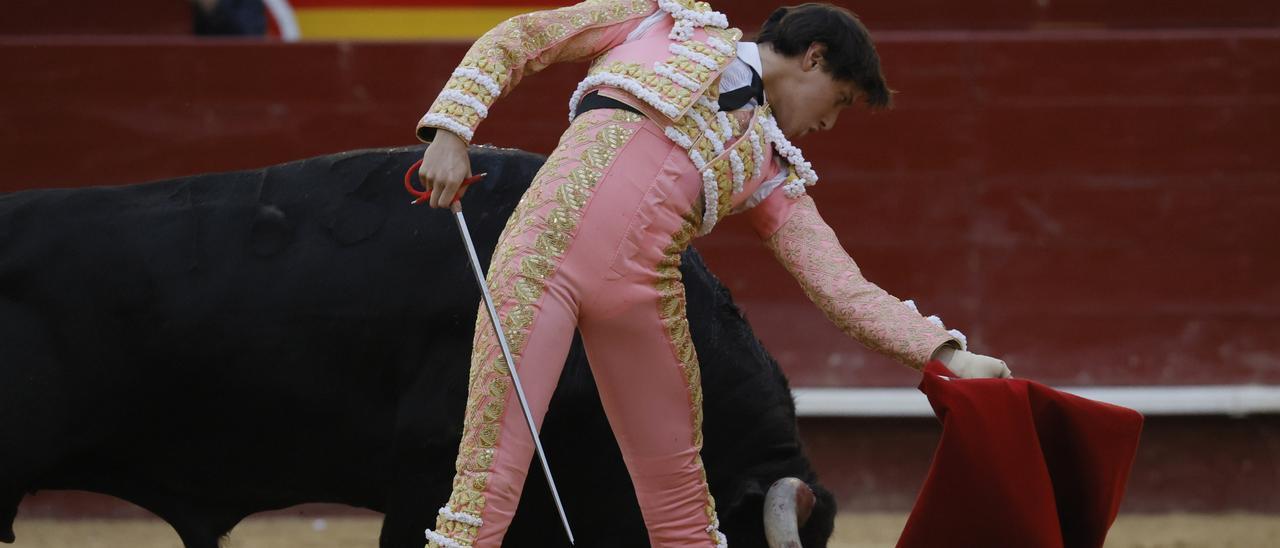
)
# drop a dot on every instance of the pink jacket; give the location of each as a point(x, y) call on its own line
point(665, 57)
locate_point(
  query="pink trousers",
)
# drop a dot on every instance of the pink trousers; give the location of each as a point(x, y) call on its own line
point(594, 244)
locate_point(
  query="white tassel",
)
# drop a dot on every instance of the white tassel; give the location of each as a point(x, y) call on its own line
point(793, 155)
point(912, 305)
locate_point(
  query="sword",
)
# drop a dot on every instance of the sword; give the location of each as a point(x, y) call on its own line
point(461, 221)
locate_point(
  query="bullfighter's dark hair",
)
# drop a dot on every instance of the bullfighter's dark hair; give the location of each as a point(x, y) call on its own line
point(850, 54)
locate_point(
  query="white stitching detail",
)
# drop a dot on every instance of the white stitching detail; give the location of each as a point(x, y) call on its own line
point(739, 177)
point(710, 200)
point(675, 76)
point(447, 122)
point(459, 517)
point(680, 49)
point(695, 17)
point(679, 138)
point(466, 100)
point(757, 153)
point(726, 129)
point(444, 541)
point(723, 47)
point(631, 85)
point(479, 77)
point(705, 127)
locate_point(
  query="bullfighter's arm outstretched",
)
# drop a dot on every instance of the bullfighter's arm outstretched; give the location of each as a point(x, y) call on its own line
point(803, 242)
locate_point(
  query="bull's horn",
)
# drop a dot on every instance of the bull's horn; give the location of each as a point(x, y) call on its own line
point(786, 508)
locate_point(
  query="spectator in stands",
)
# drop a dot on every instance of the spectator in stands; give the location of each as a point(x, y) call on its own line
point(229, 17)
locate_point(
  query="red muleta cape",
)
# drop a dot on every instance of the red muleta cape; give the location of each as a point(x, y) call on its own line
point(1020, 465)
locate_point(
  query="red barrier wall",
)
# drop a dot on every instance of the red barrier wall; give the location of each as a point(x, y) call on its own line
point(157, 17)
point(1097, 207)
point(99, 17)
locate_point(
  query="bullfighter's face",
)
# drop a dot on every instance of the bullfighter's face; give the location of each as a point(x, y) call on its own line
point(807, 98)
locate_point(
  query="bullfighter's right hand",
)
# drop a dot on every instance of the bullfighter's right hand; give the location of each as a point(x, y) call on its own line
point(445, 165)
point(968, 365)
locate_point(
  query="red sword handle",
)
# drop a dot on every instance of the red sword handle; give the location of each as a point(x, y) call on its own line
point(425, 194)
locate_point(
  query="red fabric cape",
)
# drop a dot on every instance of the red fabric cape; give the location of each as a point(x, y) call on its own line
point(1020, 465)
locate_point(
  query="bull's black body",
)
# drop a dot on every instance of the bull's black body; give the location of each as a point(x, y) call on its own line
point(214, 346)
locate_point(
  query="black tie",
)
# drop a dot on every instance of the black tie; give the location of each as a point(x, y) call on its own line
point(736, 99)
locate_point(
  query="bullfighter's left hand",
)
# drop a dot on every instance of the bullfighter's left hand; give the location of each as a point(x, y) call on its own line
point(968, 365)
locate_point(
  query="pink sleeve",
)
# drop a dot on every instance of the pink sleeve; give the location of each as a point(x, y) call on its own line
point(768, 216)
point(523, 45)
point(810, 251)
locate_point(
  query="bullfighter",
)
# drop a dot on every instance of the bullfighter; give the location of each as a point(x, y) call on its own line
point(678, 124)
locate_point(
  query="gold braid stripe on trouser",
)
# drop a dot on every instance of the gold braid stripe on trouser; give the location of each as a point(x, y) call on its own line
point(522, 283)
point(672, 310)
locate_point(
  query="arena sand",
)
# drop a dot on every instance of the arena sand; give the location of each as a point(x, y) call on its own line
point(852, 531)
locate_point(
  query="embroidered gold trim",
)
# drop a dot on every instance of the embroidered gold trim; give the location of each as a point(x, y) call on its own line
point(671, 311)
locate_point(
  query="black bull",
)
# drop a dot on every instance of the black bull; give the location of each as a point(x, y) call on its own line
point(214, 346)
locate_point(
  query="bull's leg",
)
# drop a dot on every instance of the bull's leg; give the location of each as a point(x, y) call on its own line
point(424, 447)
point(34, 407)
point(9, 500)
point(197, 526)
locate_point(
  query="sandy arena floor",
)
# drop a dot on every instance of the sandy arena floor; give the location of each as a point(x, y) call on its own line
point(852, 531)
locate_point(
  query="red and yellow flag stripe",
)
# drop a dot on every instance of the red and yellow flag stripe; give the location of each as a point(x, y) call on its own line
point(407, 19)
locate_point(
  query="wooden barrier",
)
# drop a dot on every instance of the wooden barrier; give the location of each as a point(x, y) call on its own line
point(173, 17)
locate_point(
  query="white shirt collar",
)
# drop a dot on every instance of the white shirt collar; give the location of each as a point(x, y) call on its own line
point(749, 53)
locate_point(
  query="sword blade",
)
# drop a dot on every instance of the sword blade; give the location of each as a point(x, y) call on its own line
point(511, 366)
